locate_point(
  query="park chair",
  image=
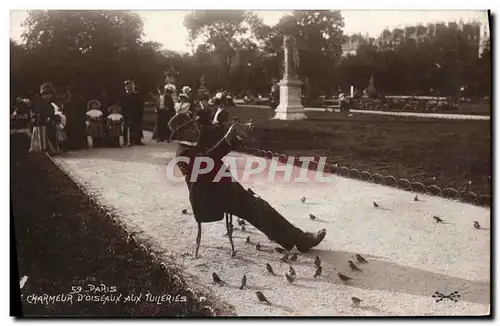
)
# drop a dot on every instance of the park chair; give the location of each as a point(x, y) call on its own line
point(229, 227)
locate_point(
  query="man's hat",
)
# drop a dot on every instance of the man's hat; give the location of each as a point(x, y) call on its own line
point(177, 123)
point(186, 89)
point(47, 91)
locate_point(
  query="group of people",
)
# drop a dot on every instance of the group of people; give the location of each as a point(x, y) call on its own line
point(196, 122)
point(59, 126)
point(66, 125)
point(213, 109)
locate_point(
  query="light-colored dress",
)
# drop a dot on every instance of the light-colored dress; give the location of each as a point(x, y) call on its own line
point(95, 123)
point(114, 123)
point(61, 134)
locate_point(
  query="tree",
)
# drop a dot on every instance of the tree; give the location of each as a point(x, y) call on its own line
point(319, 40)
point(223, 31)
point(82, 47)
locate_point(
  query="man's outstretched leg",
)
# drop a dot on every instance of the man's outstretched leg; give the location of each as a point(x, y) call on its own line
point(264, 217)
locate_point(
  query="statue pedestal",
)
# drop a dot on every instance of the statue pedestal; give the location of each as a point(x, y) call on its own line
point(290, 107)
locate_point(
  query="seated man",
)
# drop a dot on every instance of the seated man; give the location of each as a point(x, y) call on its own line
point(210, 200)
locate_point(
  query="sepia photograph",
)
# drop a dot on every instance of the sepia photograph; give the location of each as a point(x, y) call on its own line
point(250, 163)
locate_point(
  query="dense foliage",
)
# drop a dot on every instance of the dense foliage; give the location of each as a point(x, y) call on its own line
point(97, 50)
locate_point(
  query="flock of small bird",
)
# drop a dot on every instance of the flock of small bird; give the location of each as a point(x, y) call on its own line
point(436, 218)
point(290, 276)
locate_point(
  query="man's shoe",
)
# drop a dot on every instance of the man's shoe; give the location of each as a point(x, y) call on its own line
point(309, 240)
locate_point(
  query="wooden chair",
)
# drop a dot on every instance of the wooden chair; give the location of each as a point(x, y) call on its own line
point(229, 227)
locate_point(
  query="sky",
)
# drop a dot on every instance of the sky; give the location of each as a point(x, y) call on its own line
point(166, 27)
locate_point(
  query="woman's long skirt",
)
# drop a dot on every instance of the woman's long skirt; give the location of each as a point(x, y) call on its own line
point(40, 142)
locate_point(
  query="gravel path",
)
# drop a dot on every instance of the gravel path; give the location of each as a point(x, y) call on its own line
point(446, 116)
point(410, 256)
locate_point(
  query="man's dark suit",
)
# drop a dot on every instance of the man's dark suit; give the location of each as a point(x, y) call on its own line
point(132, 111)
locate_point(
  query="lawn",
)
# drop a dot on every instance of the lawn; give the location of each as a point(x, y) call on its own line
point(447, 153)
point(64, 241)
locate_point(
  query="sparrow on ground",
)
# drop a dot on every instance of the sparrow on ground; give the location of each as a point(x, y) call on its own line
point(361, 259)
point(294, 257)
point(243, 282)
point(242, 228)
point(280, 250)
point(247, 240)
point(284, 258)
point(303, 200)
point(438, 219)
point(217, 279)
point(257, 246)
point(343, 277)
point(241, 222)
point(262, 298)
point(289, 278)
point(184, 211)
point(375, 204)
point(312, 217)
point(353, 266)
point(317, 261)
point(356, 300)
point(131, 238)
point(319, 269)
point(476, 225)
point(291, 271)
point(269, 269)
point(414, 199)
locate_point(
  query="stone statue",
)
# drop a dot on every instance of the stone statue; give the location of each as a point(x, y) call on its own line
point(291, 63)
point(170, 74)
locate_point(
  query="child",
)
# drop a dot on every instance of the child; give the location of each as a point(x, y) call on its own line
point(95, 122)
point(114, 125)
point(60, 124)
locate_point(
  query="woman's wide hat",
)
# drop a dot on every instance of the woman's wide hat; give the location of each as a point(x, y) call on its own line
point(93, 104)
point(170, 88)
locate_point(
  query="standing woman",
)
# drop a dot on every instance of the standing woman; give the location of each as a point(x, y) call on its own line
point(164, 112)
point(170, 108)
point(183, 103)
point(43, 112)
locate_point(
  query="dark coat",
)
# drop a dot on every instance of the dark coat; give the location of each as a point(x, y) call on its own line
point(169, 103)
point(132, 108)
point(43, 112)
point(209, 200)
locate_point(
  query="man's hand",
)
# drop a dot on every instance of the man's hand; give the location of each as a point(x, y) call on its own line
point(235, 131)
